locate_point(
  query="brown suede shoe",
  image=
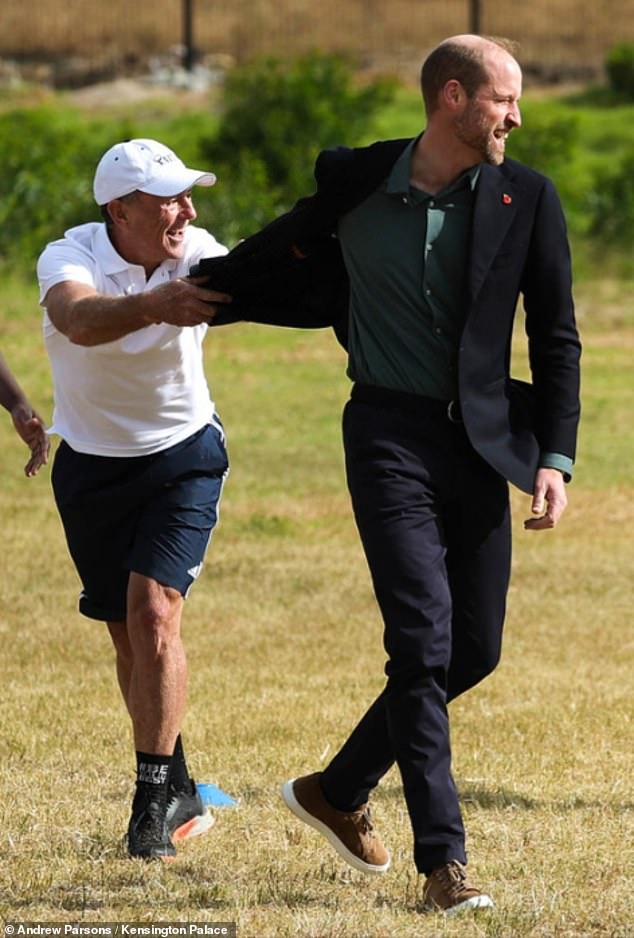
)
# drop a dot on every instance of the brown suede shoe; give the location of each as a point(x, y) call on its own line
point(448, 890)
point(350, 833)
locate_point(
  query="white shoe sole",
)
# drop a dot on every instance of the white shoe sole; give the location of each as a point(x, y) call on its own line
point(476, 902)
point(293, 804)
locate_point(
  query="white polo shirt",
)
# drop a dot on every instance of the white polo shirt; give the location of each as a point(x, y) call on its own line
point(139, 394)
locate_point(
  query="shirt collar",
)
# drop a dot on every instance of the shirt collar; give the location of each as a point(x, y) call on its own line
point(398, 180)
point(111, 261)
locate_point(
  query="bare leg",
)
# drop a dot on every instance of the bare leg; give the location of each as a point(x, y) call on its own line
point(119, 635)
point(153, 679)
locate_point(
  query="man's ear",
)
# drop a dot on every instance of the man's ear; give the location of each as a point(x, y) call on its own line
point(117, 211)
point(453, 95)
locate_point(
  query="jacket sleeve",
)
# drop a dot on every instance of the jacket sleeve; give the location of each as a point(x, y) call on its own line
point(290, 273)
point(553, 342)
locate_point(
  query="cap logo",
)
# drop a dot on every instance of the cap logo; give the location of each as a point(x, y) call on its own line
point(163, 158)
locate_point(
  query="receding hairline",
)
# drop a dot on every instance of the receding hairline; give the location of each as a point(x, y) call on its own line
point(464, 58)
point(483, 43)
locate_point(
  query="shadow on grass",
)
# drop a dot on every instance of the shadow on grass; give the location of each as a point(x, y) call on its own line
point(500, 798)
point(495, 798)
point(478, 795)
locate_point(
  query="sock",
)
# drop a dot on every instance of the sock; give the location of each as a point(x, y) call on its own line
point(179, 779)
point(152, 776)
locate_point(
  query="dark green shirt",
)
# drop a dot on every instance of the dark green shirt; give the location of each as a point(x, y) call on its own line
point(406, 256)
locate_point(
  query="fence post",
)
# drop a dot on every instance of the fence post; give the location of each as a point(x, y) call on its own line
point(475, 19)
point(188, 35)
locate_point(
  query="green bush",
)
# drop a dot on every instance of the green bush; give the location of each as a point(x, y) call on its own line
point(611, 204)
point(242, 200)
point(277, 116)
point(619, 66)
point(262, 148)
point(550, 141)
point(547, 140)
point(46, 183)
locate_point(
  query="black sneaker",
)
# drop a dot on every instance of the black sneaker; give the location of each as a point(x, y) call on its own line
point(148, 834)
point(186, 814)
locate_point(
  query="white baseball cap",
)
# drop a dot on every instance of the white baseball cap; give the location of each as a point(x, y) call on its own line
point(146, 166)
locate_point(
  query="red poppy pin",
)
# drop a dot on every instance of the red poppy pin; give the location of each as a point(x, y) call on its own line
point(506, 198)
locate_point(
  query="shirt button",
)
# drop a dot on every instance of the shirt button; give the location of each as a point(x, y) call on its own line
point(431, 203)
point(404, 200)
point(438, 330)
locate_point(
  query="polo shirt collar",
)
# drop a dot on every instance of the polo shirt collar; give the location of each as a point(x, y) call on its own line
point(111, 261)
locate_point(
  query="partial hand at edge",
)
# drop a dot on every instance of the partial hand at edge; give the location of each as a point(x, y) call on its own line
point(31, 428)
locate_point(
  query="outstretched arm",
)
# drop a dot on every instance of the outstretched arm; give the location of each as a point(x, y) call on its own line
point(90, 318)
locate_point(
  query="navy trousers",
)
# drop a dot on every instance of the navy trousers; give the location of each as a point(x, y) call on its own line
point(434, 521)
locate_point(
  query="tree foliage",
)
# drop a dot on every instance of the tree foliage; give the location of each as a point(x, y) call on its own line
point(619, 66)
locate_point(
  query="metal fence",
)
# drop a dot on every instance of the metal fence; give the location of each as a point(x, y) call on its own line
point(74, 42)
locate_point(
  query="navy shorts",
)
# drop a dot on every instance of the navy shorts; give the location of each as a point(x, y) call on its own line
point(152, 515)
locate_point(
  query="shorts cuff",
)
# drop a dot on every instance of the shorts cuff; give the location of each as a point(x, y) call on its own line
point(102, 613)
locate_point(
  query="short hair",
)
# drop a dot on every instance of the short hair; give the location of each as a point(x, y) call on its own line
point(460, 61)
point(103, 209)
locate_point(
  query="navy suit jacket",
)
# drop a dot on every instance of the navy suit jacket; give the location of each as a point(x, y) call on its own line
point(292, 273)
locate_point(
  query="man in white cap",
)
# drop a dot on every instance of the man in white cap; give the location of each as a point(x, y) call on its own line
point(139, 472)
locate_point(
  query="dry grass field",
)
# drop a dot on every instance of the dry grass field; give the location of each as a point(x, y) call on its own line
point(558, 37)
point(282, 630)
point(284, 645)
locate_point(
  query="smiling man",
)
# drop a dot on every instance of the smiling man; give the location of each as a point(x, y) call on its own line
point(418, 251)
point(437, 252)
point(139, 471)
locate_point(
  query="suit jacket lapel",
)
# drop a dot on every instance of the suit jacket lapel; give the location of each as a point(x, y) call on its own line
point(494, 210)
